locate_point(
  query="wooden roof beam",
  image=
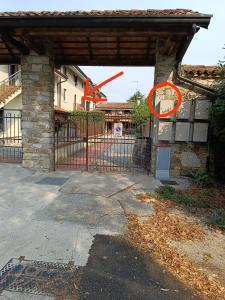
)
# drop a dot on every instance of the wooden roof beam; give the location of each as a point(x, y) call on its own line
point(7, 60)
point(118, 46)
point(12, 43)
point(34, 45)
point(107, 61)
point(10, 51)
point(89, 47)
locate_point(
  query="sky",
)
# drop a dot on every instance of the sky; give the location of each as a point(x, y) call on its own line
point(205, 49)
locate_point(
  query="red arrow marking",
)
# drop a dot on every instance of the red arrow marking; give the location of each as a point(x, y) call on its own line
point(88, 92)
point(94, 99)
point(150, 96)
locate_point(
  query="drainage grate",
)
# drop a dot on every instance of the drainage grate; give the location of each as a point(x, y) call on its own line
point(37, 277)
point(169, 182)
point(53, 180)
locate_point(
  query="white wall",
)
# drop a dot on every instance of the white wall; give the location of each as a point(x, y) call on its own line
point(15, 103)
point(4, 72)
point(12, 126)
point(69, 85)
point(71, 90)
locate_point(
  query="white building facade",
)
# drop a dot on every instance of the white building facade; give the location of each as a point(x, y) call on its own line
point(69, 88)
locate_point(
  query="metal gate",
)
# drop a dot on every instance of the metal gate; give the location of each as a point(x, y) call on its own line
point(10, 135)
point(115, 144)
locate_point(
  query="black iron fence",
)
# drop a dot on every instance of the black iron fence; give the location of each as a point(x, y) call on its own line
point(117, 144)
point(10, 135)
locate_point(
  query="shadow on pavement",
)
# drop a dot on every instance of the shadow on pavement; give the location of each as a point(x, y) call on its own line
point(116, 270)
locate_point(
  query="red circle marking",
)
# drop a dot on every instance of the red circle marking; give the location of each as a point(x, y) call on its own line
point(176, 107)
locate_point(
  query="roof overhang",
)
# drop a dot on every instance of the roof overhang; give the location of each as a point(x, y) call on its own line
point(79, 72)
point(111, 39)
point(58, 73)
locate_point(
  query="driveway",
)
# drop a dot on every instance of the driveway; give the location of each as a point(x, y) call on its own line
point(63, 233)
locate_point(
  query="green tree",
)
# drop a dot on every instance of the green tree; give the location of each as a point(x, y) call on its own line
point(141, 112)
point(136, 98)
point(218, 107)
point(217, 140)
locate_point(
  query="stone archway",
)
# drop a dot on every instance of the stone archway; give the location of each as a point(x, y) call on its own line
point(39, 41)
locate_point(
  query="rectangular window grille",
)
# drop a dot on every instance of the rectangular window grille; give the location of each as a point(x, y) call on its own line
point(75, 80)
point(64, 95)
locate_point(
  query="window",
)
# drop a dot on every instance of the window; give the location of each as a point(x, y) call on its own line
point(87, 105)
point(75, 80)
point(64, 95)
point(64, 70)
point(75, 102)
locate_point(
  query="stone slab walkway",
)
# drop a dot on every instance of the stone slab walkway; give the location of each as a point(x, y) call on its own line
point(57, 217)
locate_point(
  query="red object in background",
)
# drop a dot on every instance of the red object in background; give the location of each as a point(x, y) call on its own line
point(172, 111)
point(88, 93)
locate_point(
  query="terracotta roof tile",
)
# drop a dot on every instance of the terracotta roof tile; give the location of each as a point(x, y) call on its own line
point(114, 105)
point(202, 71)
point(147, 12)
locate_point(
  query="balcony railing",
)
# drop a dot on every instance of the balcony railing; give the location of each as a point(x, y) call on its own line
point(14, 79)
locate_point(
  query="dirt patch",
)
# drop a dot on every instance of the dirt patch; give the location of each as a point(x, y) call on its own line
point(215, 196)
point(155, 234)
point(208, 254)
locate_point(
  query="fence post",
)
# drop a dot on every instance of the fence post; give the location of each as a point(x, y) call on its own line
point(87, 124)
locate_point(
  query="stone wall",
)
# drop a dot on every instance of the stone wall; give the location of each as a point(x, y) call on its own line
point(187, 158)
point(38, 111)
point(190, 147)
point(186, 132)
point(164, 70)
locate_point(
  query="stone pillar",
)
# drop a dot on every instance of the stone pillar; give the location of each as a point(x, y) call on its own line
point(37, 74)
point(164, 71)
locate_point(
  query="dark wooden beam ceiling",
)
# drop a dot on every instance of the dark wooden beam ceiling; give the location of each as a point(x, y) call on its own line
point(12, 43)
point(90, 51)
point(36, 46)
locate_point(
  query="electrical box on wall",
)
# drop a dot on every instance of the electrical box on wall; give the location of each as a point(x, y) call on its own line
point(182, 131)
point(165, 131)
point(202, 109)
point(200, 133)
point(163, 162)
point(185, 110)
point(166, 106)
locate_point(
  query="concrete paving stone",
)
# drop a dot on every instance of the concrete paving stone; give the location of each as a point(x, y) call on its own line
point(97, 184)
point(133, 206)
point(8, 295)
point(81, 209)
point(117, 270)
point(46, 241)
point(115, 224)
point(147, 184)
point(11, 173)
point(53, 180)
point(54, 223)
point(61, 227)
